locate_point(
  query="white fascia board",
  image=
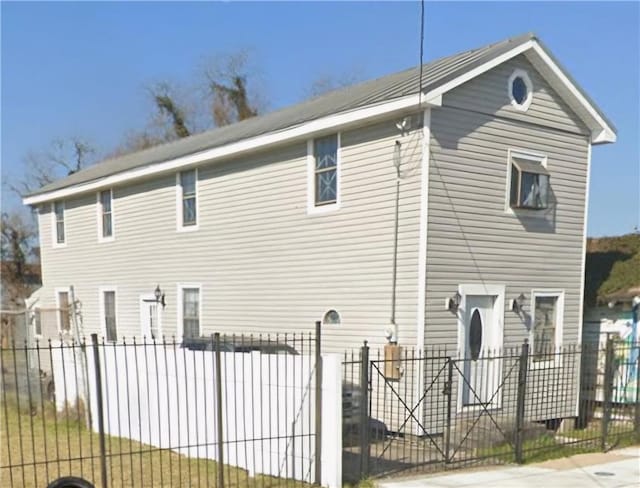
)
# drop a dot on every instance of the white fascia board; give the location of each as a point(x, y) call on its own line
point(602, 133)
point(331, 122)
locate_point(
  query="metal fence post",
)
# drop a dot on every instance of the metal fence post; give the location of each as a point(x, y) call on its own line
point(607, 392)
point(218, 362)
point(99, 404)
point(364, 410)
point(447, 391)
point(637, 408)
point(520, 402)
point(318, 407)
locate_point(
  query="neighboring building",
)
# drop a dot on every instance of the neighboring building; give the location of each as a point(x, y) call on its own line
point(278, 221)
point(17, 283)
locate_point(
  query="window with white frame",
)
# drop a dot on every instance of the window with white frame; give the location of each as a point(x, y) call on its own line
point(37, 322)
point(58, 214)
point(546, 324)
point(190, 312)
point(188, 197)
point(106, 214)
point(325, 170)
point(520, 90)
point(530, 182)
point(109, 315)
point(64, 311)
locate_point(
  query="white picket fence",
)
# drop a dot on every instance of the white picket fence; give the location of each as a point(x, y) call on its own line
point(167, 398)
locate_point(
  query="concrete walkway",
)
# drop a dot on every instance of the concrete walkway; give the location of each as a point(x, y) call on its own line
point(614, 469)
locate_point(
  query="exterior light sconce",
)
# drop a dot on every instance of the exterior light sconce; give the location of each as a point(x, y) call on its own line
point(159, 294)
point(453, 304)
point(517, 304)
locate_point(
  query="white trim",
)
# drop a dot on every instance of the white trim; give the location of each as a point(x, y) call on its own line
point(146, 298)
point(99, 214)
point(547, 292)
point(54, 224)
point(583, 269)
point(179, 325)
point(57, 290)
point(520, 73)
point(333, 122)
point(180, 227)
point(481, 289)
point(534, 156)
point(603, 133)
point(422, 248)
point(103, 325)
point(312, 208)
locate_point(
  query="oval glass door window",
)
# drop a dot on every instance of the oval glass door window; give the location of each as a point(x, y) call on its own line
point(475, 334)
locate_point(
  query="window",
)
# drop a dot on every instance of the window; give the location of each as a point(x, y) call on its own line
point(64, 309)
point(546, 329)
point(188, 198)
point(520, 90)
point(190, 312)
point(324, 184)
point(529, 186)
point(105, 214)
point(37, 322)
point(332, 317)
point(58, 214)
point(109, 315)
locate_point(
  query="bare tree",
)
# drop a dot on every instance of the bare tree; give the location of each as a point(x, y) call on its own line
point(62, 158)
point(167, 103)
point(18, 252)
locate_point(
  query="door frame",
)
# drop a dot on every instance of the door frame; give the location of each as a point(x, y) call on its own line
point(497, 291)
point(146, 298)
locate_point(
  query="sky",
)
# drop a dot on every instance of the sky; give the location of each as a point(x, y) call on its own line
point(80, 69)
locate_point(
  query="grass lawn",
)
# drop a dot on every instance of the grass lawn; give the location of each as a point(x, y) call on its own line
point(55, 444)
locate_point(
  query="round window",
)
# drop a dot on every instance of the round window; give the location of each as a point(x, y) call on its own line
point(331, 318)
point(475, 335)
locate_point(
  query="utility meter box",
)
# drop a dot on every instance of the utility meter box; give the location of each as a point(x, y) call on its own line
point(392, 364)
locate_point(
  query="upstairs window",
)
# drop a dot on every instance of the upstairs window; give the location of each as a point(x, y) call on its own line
point(529, 187)
point(106, 214)
point(324, 182)
point(58, 213)
point(188, 198)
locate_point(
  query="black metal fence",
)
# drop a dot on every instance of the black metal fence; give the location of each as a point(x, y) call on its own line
point(221, 411)
point(430, 410)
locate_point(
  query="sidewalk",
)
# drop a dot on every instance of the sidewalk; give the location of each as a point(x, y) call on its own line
point(614, 469)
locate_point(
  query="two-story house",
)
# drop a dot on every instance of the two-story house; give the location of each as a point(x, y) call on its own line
point(444, 210)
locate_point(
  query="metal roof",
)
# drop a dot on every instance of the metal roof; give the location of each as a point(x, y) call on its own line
point(384, 89)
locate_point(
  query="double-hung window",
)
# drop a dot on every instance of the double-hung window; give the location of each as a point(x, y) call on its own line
point(324, 173)
point(109, 315)
point(529, 186)
point(188, 198)
point(105, 214)
point(58, 214)
point(190, 312)
point(546, 329)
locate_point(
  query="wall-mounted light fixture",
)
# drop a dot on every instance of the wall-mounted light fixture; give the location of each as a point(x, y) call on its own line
point(453, 304)
point(159, 294)
point(517, 304)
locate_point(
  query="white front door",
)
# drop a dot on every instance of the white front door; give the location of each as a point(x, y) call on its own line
point(482, 339)
point(150, 316)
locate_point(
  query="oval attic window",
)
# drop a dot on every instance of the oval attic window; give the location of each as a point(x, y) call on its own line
point(520, 90)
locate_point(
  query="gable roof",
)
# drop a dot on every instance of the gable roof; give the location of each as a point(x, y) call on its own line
point(383, 96)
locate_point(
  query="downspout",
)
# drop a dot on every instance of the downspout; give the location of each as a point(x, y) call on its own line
point(392, 334)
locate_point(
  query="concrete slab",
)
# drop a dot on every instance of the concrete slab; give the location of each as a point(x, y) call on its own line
point(608, 470)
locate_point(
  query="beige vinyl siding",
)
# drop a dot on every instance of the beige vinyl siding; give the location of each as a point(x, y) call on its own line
point(488, 94)
point(263, 264)
point(472, 238)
